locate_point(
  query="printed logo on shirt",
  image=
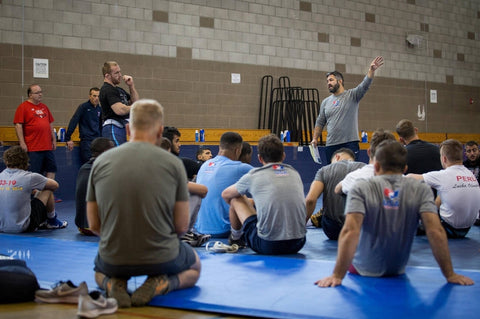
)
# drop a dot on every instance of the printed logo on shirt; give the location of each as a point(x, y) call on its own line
point(336, 103)
point(391, 198)
point(9, 185)
point(39, 113)
point(279, 170)
point(465, 181)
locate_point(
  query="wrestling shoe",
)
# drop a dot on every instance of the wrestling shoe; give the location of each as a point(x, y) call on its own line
point(117, 288)
point(195, 240)
point(53, 223)
point(153, 286)
point(239, 242)
point(219, 247)
point(62, 292)
point(316, 219)
point(95, 304)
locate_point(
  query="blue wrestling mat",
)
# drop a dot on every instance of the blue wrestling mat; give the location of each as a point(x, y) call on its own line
point(274, 287)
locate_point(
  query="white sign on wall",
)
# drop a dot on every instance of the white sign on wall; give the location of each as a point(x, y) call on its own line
point(40, 68)
point(433, 96)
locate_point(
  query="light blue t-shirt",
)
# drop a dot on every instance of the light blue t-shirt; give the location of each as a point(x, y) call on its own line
point(217, 174)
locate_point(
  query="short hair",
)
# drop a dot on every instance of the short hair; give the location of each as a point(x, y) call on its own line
point(93, 89)
point(230, 141)
point(201, 149)
point(107, 67)
point(16, 157)
point(392, 156)
point(337, 75)
point(471, 143)
point(29, 90)
point(146, 115)
point(165, 144)
point(270, 148)
point(345, 150)
point(379, 136)
point(100, 145)
point(170, 131)
point(452, 150)
point(405, 129)
point(246, 149)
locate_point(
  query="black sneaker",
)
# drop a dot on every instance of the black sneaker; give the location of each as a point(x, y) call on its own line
point(195, 240)
point(239, 242)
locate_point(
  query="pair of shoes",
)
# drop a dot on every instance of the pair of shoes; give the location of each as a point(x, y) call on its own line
point(195, 240)
point(86, 231)
point(239, 242)
point(53, 223)
point(153, 286)
point(219, 247)
point(316, 219)
point(117, 288)
point(62, 292)
point(95, 304)
point(477, 222)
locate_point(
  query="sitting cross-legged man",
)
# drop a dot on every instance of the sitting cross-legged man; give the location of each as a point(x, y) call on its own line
point(19, 212)
point(277, 225)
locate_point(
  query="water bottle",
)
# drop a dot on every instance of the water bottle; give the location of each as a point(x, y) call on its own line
point(197, 138)
point(61, 132)
point(281, 136)
point(287, 135)
point(364, 137)
point(55, 132)
point(202, 135)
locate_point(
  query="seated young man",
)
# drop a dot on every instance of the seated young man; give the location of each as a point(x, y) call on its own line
point(19, 212)
point(277, 226)
point(457, 189)
point(382, 215)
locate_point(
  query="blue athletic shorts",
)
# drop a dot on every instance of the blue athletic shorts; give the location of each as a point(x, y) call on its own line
point(268, 247)
point(42, 162)
point(184, 261)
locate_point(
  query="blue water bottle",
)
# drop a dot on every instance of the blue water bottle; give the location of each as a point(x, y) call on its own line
point(197, 138)
point(287, 136)
point(202, 135)
point(62, 134)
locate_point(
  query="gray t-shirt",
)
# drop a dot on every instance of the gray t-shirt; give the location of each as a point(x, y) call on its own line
point(340, 114)
point(277, 190)
point(391, 205)
point(16, 187)
point(136, 186)
point(330, 176)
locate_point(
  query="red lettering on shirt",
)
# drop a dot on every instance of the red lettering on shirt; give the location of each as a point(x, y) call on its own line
point(466, 178)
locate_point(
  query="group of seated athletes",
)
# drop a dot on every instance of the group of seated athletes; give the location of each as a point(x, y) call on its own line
point(139, 191)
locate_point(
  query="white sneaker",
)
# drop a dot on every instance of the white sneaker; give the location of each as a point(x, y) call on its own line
point(219, 247)
point(95, 304)
point(63, 292)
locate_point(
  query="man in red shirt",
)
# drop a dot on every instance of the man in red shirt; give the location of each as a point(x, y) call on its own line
point(34, 127)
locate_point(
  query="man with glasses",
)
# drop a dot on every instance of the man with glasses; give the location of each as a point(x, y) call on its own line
point(116, 102)
point(339, 112)
point(34, 127)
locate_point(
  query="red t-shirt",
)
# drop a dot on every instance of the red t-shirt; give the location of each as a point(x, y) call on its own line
point(36, 121)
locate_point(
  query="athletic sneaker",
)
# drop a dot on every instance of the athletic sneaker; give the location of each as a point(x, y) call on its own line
point(317, 219)
point(219, 247)
point(53, 223)
point(95, 304)
point(239, 242)
point(153, 286)
point(117, 288)
point(86, 231)
point(62, 292)
point(195, 240)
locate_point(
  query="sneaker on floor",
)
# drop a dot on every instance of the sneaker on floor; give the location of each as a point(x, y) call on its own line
point(95, 304)
point(316, 219)
point(239, 242)
point(195, 240)
point(219, 247)
point(153, 286)
point(86, 231)
point(117, 288)
point(63, 292)
point(55, 223)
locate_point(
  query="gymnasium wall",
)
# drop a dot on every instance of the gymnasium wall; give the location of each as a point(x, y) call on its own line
point(183, 53)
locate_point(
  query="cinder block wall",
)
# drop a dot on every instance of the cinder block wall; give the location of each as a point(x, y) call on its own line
point(184, 52)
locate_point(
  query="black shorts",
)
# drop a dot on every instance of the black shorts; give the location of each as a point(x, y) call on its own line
point(38, 214)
